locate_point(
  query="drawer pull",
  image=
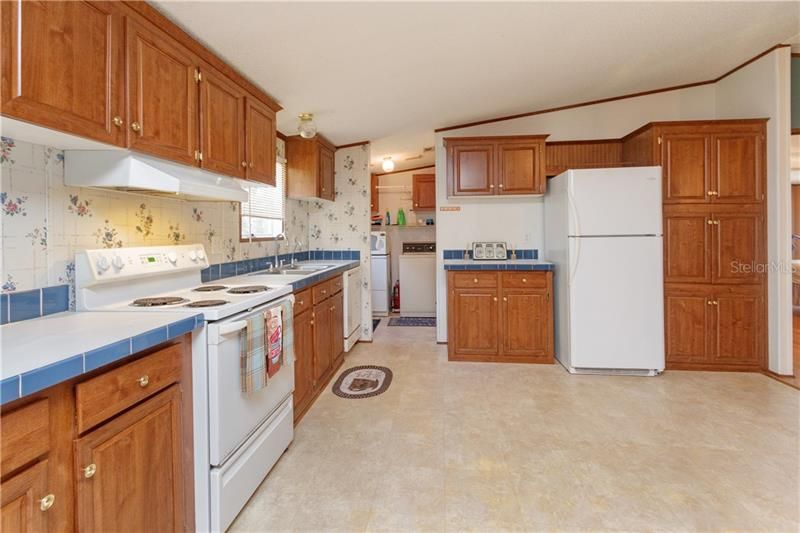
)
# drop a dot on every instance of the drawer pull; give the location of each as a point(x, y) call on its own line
point(524, 280)
point(135, 126)
point(244, 163)
point(90, 470)
point(47, 502)
point(143, 381)
point(117, 121)
point(324, 291)
point(474, 280)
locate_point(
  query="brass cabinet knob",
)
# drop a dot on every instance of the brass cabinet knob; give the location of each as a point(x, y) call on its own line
point(495, 298)
point(491, 185)
point(331, 308)
point(505, 299)
point(90, 470)
point(709, 222)
point(300, 302)
point(524, 280)
point(117, 121)
point(244, 164)
point(501, 185)
point(709, 302)
point(713, 193)
point(474, 280)
point(135, 126)
point(252, 164)
point(312, 322)
point(143, 381)
point(47, 502)
point(324, 291)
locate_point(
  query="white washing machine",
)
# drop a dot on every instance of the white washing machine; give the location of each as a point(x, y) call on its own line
point(418, 279)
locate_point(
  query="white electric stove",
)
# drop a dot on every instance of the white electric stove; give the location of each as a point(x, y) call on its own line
point(233, 454)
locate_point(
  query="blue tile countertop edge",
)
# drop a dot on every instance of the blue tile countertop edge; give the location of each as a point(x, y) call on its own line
point(19, 386)
point(35, 303)
point(506, 265)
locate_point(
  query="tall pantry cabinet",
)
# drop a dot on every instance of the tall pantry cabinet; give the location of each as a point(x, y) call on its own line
point(714, 179)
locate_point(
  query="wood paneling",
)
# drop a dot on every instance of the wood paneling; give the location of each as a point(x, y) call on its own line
point(20, 509)
point(423, 191)
point(162, 91)
point(639, 147)
point(260, 141)
point(138, 483)
point(564, 155)
point(222, 121)
point(63, 67)
point(24, 435)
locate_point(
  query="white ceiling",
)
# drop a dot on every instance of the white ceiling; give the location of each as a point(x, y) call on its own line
point(393, 72)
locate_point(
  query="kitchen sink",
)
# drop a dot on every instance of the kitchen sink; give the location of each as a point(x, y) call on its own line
point(303, 268)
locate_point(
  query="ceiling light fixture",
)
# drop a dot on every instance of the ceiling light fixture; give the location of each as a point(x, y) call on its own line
point(388, 164)
point(307, 129)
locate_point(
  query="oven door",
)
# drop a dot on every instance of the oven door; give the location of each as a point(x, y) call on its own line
point(233, 414)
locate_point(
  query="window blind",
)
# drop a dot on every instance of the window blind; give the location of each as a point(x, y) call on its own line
point(262, 214)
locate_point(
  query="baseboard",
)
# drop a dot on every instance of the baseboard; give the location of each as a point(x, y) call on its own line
point(782, 379)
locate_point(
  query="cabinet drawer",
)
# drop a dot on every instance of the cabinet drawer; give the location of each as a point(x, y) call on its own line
point(336, 284)
point(24, 435)
point(100, 398)
point(466, 280)
point(522, 280)
point(302, 301)
point(321, 291)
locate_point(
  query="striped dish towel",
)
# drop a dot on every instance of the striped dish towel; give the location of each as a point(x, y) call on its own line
point(288, 331)
point(253, 355)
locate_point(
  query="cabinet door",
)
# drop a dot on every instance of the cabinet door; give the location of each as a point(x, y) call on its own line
point(689, 321)
point(163, 96)
point(336, 306)
point(261, 134)
point(520, 168)
point(475, 325)
point(737, 248)
point(63, 67)
point(326, 174)
point(373, 194)
point(424, 191)
point(738, 335)
point(526, 323)
point(22, 509)
point(470, 169)
point(221, 125)
point(687, 247)
point(737, 168)
point(303, 359)
point(138, 477)
point(686, 163)
point(322, 340)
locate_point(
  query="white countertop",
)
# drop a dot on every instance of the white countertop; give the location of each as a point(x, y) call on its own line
point(35, 343)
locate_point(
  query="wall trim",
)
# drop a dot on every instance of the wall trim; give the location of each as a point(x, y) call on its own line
point(350, 145)
point(611, 98)
point(433, 165)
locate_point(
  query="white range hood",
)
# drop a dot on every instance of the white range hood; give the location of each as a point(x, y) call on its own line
point(129, 172)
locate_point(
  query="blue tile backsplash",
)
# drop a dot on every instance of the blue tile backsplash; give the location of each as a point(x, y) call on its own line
point(24, 305)
point(522, 253)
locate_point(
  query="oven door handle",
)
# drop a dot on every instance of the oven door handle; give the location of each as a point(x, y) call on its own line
point(232, 327)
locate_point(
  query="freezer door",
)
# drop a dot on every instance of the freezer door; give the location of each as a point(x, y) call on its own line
point(616, 303)
point(615, 201)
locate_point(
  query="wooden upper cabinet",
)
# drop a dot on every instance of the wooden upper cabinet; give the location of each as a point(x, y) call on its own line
point(139, 478)
point(260, 138)
point(687, 246)
point(521, 167)
point(470, 167)
point(686, 163)
point(373, 194)
point(738, 160)
point(486, 166)
point(63, 67)
point(310, 165)
point(162, 88)
point(423, 191)
point(222, 123)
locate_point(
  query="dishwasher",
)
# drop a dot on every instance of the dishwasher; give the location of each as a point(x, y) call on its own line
point(418, 279)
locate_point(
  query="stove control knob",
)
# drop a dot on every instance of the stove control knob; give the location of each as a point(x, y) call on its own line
point(201, 254)
point(117, 262)
point(173, 257)
point(102, 264)
point(193, 255)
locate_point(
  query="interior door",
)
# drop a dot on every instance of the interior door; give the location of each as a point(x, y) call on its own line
point(520, 168)
point(476, 322)
point(737, 167)
point(163, 96)
point(222, 125)
point(689, 324)
point(686, 162)
point(737, 248)
point(525, 322)
point(138, 460)
point(63, 67)
point(21, 508)
point(261, 133)
point(687, 247)
point(471, 169)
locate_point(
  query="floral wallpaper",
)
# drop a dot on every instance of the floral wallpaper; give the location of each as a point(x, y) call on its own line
point(43, 222)
point(345, 223)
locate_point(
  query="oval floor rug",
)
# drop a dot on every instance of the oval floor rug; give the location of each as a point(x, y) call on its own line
point(363, 382)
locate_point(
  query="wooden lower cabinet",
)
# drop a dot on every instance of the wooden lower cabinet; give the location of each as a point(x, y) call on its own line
point(318, 341)
point(131, 471)
point(714, 327)
point(504, 317)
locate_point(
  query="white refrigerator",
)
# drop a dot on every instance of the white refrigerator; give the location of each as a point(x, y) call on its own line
point(603, 231)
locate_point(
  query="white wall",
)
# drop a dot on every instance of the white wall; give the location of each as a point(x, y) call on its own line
point(762, 90)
